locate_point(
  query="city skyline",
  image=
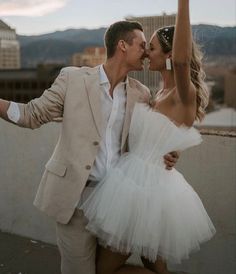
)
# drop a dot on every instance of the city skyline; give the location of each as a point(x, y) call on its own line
point(33, 17)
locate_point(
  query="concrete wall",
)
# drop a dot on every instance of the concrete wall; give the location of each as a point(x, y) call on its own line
point(24, 153)
point(209, 168)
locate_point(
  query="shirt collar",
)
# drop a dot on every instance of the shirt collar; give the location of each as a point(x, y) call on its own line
point(104, 79)
point(103, 76)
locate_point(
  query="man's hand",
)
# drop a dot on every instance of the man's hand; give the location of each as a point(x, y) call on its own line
point(171, 159)
point(4, 105)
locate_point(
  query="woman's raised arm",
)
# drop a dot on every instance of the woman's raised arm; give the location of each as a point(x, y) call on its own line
point(182, 52)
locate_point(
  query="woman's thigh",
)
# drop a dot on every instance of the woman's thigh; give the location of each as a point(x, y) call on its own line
point(109, 261)
point(159, 266)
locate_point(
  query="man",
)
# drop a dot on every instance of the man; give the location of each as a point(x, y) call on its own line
point(96, 105)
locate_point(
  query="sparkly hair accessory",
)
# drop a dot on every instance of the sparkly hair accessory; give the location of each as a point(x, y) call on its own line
point(165, 36)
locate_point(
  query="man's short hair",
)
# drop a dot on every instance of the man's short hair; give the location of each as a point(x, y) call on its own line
point(122, 30)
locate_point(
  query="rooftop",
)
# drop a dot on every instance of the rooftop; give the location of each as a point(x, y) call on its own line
point(4, 26)
point(23, 255)
point(209, 168)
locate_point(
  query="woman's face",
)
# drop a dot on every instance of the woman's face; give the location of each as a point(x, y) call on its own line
point(156, 56)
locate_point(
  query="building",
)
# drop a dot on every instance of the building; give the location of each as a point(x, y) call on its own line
point(223, 78)
point(91, 57)
point(230, 89)
point(221, 119)
point(9, 48)
point(150, 23)
point(23, 85)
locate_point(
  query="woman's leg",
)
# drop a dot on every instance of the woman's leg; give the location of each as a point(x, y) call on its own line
point(109, 262)
point(159, 266)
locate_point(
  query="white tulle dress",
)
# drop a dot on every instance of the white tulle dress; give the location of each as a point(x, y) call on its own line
point(140, 207)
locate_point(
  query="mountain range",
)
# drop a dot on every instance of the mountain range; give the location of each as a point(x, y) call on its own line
point(59, 46)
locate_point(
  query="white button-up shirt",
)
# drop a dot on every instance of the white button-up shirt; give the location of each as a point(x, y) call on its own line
point(113, 113)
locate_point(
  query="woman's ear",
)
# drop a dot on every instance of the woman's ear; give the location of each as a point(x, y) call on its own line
point(169, 55)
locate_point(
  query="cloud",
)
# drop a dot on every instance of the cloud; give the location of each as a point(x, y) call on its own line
point(30, 7)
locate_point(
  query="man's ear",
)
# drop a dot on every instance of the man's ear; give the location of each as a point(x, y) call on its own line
point(122, 45)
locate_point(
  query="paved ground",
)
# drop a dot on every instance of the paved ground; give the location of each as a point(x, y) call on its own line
point(19, 255)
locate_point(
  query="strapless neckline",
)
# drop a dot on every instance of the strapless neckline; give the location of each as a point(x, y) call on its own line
point(174, 123)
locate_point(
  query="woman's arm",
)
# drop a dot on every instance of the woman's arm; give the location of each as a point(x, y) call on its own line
point(181, 54)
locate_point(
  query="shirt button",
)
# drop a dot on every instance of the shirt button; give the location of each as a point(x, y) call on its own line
point(88, 167)
point(96, 143)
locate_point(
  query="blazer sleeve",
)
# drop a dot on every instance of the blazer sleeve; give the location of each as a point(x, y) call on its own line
point(47, 107)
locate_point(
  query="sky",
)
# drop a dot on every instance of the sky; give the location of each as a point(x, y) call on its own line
point(33, 17)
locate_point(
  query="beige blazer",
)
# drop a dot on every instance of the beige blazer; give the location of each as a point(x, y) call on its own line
point(75, 96)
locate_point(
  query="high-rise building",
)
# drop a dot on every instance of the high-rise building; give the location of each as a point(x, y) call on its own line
point(150, 23)
point(23, 85)
point(230, 89)
point(91, 57)
point(9, 48)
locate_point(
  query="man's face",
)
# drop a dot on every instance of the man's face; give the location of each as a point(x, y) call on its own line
point(136, 52)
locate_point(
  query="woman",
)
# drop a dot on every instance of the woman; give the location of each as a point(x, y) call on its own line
point(140, 207)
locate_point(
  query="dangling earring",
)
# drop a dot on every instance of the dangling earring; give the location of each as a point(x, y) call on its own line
point(168, 63)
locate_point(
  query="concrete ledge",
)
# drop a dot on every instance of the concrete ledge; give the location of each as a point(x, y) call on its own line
point(209, 168)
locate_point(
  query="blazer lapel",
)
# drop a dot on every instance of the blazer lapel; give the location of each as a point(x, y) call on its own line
point(94, 89)
point(92, 84)
point(132, 98)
